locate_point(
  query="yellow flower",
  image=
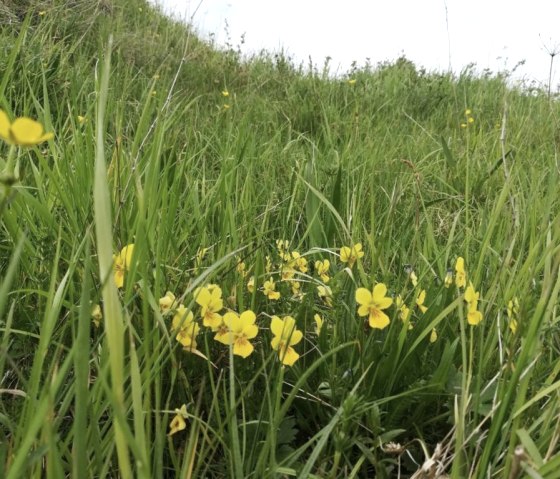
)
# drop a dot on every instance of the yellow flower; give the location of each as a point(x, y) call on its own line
point(178, 423)
point(122, 263)
point(513, 313)
point(226, 106)
point(210, 300)
point(241, 268)
point(471, 119)
point(200, 254)
point(225, 93)
point(463, 125)
point(282, 246)
point(373, 303)
point(296, 289)
point(240, 329)
point(468, 112)
point(412, 275)
point(433, 336)
point(299, 262)
point(350, 255)
point(420, 301)
point(82, 119)
point(460, 274)
point(167, 302)
point(471, 297)
point(185, 328)
point(96, 315)
point(269, 290)
point(286, 335)
point(318, 324)
point(351, 81)
point(448, 281)
point(404, 310)
point(42, 13)
point(268, 265)
point(325, 293)
point(322, 268)
point(251, 284)
point(23, 131)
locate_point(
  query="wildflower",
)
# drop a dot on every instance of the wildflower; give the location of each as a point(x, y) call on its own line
point(268, 264)
point(82, 120)
point(241, 268)
point(269, 290)
point(460, 274)
point(470, 120)
point(325, 293)
point(299, 262)
point(288, 272)
point(351, 81)
point(448, 281)
point(210, 300)
point(296, 289)
point(350, 255)
point(23, 131)
point(404, 310)
point(200, 254)
point(420, 301)
point(373, 303)
point(121, 263)
point(42, 13)
point(318, 324)
point(463, 125)
point(251, 284)
point(167, 302)
point(471, 297)
point(153, 92)
point(178, 423)
point(226, 106)
point(241, 329)
point(468, 112)
point(433, 336)
point(96, 315)
point(322, 268)
point(185, 327)
point(286, 335)
point(225, 93)
point(513, 313)
point(411, 274)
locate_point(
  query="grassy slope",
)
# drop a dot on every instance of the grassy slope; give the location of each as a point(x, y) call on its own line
point(320, 162)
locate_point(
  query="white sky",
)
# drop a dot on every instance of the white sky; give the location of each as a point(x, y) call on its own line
point(495, 34)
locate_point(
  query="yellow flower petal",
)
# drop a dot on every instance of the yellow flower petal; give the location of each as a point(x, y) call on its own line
point(363, 296)
point(289, 356)
point(378, 319)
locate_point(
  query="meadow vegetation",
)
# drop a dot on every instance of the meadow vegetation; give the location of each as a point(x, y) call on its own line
point(214, 266)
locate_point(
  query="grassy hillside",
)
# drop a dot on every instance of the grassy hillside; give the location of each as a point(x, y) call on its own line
point(218, 267)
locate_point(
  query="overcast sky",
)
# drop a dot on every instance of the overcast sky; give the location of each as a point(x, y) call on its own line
point(436, 34)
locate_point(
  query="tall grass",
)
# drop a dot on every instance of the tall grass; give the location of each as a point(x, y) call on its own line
point(202, 161)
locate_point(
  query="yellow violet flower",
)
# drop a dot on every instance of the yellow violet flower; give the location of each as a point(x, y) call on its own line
point(318, 324)
point(471, 297)
point(209, 298)
point(241, 329)
point(122, 263)
point(372, 303)
point(352, 81)
point(468, 112)
point(448, 281)
point(404, 310)
point(251, 284)
point(296, 289)
point(185, 327)
point(460, 274)
point(420, 301)
point(23, 131)
point(350, 255)
point(513, 313)
point(299, 262)
point(178, 423)
point(96, 315)
point(167, 302)
point(322, 268)
point(433, 336)
point(286, 335)
point(269, 290)
point(325, 293)
point(225, 93)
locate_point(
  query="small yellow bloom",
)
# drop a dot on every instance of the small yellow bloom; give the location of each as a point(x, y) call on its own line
point(42, 13)
point(460, 274)
point(185, 327)
point(352, 81)
point(350, 255)
point(433, 336)
point(420, 301)
point(448, 281)
point(240, 329)
point(225, 93)
point(404, 310)
point(464, 125)
point(471, 119)
point(241, 268)
point(473, 316)
point(122, 263)
point(325, 293)
point(468, 112)
point(251, 284)
point(178, 423)
point(322, 269)
point(513, 313)
point(413, 278)
point(299, 262)
point(372, 303)
point(210, 300)
point(82, 120)
point(296, 290)
point(167, 302)
point(286, 335)
point(269, 290)
point(23, 131)
point(96, 315)
point(471, 296)
point(226, 106)
point(318, 324)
